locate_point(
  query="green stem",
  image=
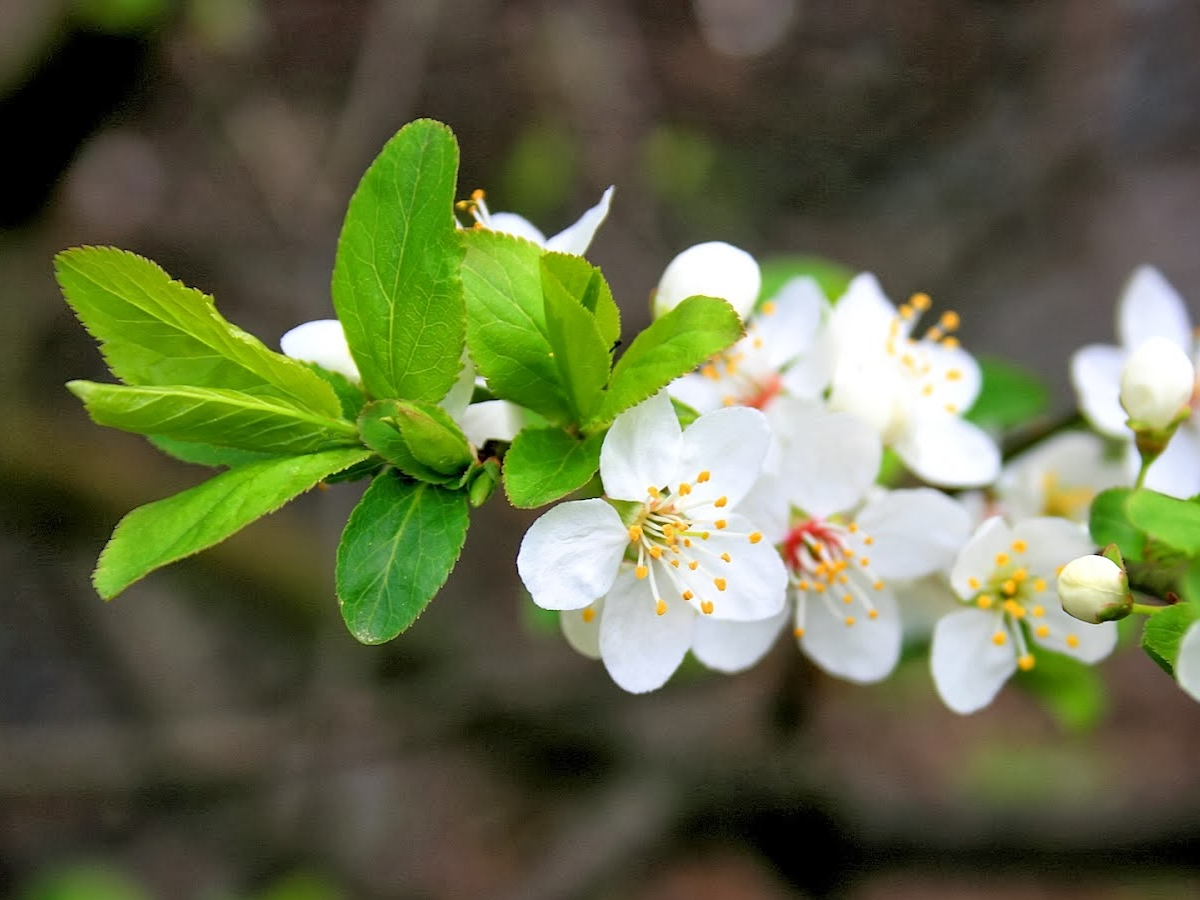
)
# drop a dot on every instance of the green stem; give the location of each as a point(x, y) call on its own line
point(1147, 609)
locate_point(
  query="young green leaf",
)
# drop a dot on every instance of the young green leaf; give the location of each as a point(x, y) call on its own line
point(1167, 519)
point(154, 331)
point(579, 351)
point(169, 530)
point(506, 322)
point(584, 281)
point(396, 286)
point(544, 464)
point(1164, 630)
point(420, 439)
point(1109, 523)
point(1010, 395)
point(672, 346)
point(212, 416)
point(398, 548)
point(379, 430)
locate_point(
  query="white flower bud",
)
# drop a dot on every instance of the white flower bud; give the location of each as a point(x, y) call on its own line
point(714, 269)
point(1157, 383)
point(322, 341)
point(1094, 589)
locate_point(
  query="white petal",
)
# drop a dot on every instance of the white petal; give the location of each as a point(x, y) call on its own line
point(578, 237)
point(1096, 375)
point(767, 507)
point(735, 646)
point(456, 399)
point(730, 444)
point(1059, 476)
point(916, 532)
point(860, 319)
point(1150, 307)
point(1050, 542)
point(641, 449)
point(322, 341)
point(491, 420)
point(1092, 643)
point(950, 452)
point(712, 269)
point(519, 226)
point(570, 555)
point(829, 460)
point(583, 632)
point(1177, 471)
point(791, 326)
point(1187, 666)
point(695, 390)
point(977, 559)
point(864, 652)
point(640, 648)
point(755, 577)
point(968, 667)
point(954, 374)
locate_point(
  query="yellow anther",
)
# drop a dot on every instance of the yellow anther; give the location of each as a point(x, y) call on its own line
point(1019, 546)
point(726, 557)
point(1058, 570)
point(1038, 611)
point(1009, 587)
point(706, 607)
point(927, 390)
point(767, 309)
point(852, 527)
point(950, 320)
point(1072, 641)
point(589, 614)
point(849, 621)
point(920, 301)
point(952, 409)
point(868, 540)
point(954, 374)
point(720, 523)
point(656, 552)
point(1002, 559)
point(843, 579)
point(704, 476)
point(758, 342)
point(950, 342)
point(906, 312)
point(1020, 574)
point(1014, 609)
point(802, 585)
point(641, 571)
point(1026, 662)
point(635, 533)
point(675, 563)
point(688, 595)
point(684, 489)
point(720, 501)
point(798, 632)
point(710, 371)
point(934, 334)
point(1042, 631)
point(999, 638)
point(848, 599)
point(973, 583)
point(984, 601)
point(693, 565)
point(1039, 585)
point(661, 607)
point(878, 586)
point(873, 614)
point(653, 492)
point(864, 561)
point(819, 587)
point(720, 583)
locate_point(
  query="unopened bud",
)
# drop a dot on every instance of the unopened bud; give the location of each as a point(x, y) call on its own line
point(1094, 589)
point(1157, 383)
point(713, 269)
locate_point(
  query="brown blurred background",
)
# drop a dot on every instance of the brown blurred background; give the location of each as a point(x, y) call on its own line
point(215, 733)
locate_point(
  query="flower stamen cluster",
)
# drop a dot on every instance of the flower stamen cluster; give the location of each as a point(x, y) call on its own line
point(829, 559)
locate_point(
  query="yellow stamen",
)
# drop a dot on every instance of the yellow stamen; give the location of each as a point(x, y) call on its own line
point(798, 632)
point(848, 599)
point(704, 476)
point(1026, 662)
point(720, 501)
point(589, 614)
point(983, 601)
point(688, 595)
point(873, 614)
point(684, 489)
point(720, 523)
point(954, 375)
point(973, 583)
point(726, 557)
point(849, 621)
point(756, 537)
point(661, 607)
point(1039, 585)
point(950, 320)
point(693, 565)
point(1019, 546)
point(1009, 587)
point(641, 571)
point(1038, 611)
point(706, 607)
point(999, 638)
point(1042, 631)
point(653, 492)
point(635, 533)
point(720, 583)
point(767, 309)
point(920, 301)
point(1072, 641)
point(878, 586)
point(1002, 559)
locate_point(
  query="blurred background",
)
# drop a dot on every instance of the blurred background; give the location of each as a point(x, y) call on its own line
point(216, 734)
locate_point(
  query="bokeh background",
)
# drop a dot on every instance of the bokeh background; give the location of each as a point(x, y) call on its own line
point(216, 734)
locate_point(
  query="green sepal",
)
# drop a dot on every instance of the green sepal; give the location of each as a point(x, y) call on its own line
point(212, 416)
point(398, 548)
point(544, 464)
point(1109, 523)
point(1168, 520)
point(1163, 632)
point(580, 353)
point(673, 345)
point(482, 481)
point(421, 440)
point(169, 530)
point(396, 285)
point(155, 331)
point(684, 413)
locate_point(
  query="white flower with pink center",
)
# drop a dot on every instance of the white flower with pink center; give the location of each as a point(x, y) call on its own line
point(676, 563)
point(1007, 577)
point(912, 390)
point(780, 355)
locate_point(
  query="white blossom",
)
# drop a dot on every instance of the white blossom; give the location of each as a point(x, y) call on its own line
point(1157, 383)
point(712, 269)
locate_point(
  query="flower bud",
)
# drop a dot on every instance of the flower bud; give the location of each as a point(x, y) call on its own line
point(713, 269)
point(1157, 383)
point(321, 341)
point(1094, 589)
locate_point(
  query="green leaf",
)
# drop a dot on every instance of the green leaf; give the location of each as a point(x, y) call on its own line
point(1109, 523)
point(1071, 691)
point(544, 464)
point(1174, 522)
point(832, 277)
point(584, 281)
point(1164, 630)
point(349, 394)
point(579, 351)
point(155, 331)
point(434, 437)
point(169, 530)
point(1009, 396)
point(212, 416)
point(380, 429)
point(673, 345)
point(205, 454)
point(396, 286)
point(398, 548)
point(506, 322)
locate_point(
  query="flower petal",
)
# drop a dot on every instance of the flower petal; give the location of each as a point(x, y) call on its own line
point(755, 576)
point(491, 420)
point(641, 449)
point(570, 555)
point(1150, 307)
point(735, 646)
point(789, 326)
point(977, 560)
point(1086, 642)
point(830, 459)
point(1187, 665)
point(695, 390)
point(640, 648)
point(730, 444)
point(950, 452)
point(456, 399)
point(518, 226)
point(322, 341)
point(1050, 543)
point(864, 652)
point(1096, 375)
point(1177, 471)
point(916, 531)
point(578, 237)
point(711, 269)
point(968, 667)
point(582, 630)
